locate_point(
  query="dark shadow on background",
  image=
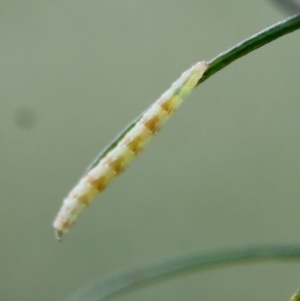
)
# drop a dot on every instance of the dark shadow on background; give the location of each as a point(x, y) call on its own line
point(290, 6)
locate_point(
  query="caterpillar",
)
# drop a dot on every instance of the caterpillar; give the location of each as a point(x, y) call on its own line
point(116, 160)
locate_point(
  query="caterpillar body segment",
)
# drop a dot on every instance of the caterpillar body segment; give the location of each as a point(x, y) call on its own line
point(116, 160)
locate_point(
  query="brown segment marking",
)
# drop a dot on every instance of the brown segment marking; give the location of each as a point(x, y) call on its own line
point(83, 199)
point(134, 144)
point(66, 225)
point(151, 124)
point(99, 184)
point(166, 104)
point(114, 164)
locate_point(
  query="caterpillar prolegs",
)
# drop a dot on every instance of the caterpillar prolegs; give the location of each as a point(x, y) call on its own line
point(116, 160)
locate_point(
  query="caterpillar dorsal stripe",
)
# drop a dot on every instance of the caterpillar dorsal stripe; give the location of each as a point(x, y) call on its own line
point(116, 160)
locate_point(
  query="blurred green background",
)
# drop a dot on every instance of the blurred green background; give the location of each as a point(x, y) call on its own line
point(223, 172)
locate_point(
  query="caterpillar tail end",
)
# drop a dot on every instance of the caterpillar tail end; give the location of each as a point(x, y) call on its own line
point(58, 235)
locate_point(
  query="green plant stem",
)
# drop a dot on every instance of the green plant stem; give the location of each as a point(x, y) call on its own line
point(254, 42)
point(221, 61)
point(105, 289)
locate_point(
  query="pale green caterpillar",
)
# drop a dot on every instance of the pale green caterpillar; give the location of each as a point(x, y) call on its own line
point(116, 160)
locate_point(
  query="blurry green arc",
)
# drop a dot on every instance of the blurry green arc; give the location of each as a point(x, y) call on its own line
point(106, 289)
